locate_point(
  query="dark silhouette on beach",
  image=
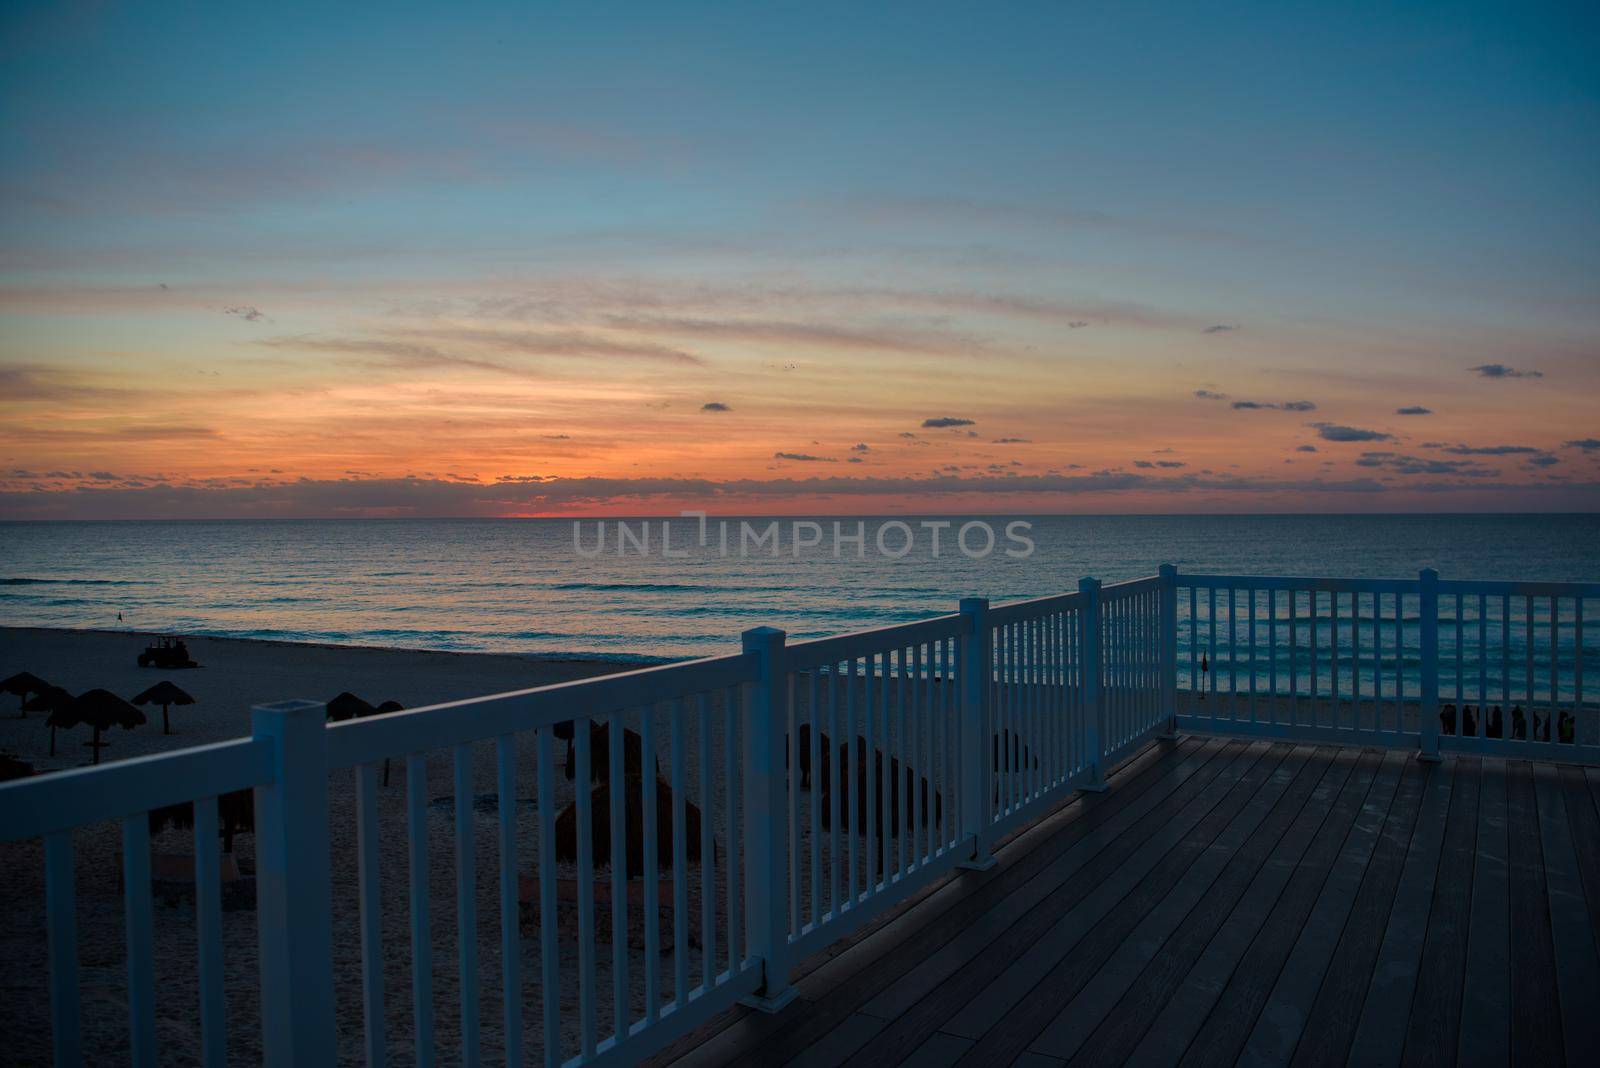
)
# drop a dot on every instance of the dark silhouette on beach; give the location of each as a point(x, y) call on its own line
point(1519, 723)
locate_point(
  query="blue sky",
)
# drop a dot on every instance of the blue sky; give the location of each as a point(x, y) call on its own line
point(1375, 197)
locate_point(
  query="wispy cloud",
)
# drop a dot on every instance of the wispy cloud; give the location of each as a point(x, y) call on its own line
point(1220, 328)
point(804, 457)
point(1586, 444)
point(1490, 450)
point(1413, 409)
point(946, 421)
point(715, 406)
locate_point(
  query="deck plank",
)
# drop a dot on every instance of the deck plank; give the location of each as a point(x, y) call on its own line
point(1435, 1024)
point(1577, 966)
point(1106, 1020)
point(1535, 1005)
point(935, 1009)
point(756, 1039)
point(1126, 828)
point(1485, 1033)
point(1585, 823)
point(1025, 997)
point(1381, 1032)
point(1098, 937)
point(1279, 1023)
point(1232, 1013)
point(1331, 1026)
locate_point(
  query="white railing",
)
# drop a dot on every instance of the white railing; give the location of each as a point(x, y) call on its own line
point(1485, 667)
point(769, 802)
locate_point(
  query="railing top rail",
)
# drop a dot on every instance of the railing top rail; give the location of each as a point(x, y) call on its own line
point(1033, 609)
point(44, 804)
point(815, 652)
point(1493, 588)
point(1111, 591)
point(451, 723)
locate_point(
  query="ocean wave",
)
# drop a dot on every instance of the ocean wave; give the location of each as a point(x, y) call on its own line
point(24, 581)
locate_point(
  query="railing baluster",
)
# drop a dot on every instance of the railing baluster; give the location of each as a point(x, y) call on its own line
point(863, 800)
point(913, 765)
point(208, 933)
point(141, 950)
point(616, 811)
point(680, 863)
point(854, 761)
point(708, 849)
point(583, 804)
point(815, 717)
point(466, 905)
point(510, 938)
point(549, 931)
point(421, 936)
point(650, 859)
point(61, 918)
point(368, 852)
point(733, 791)
point(835, 760)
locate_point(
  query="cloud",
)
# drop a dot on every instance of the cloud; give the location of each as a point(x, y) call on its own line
point(715, 406)
point(1285, 406)
point(946, 421)
point(1500, 370)
point(1219, 328)
point(1421, 465)
point(244, 311)
point(1076, 324)
point(1336, 432)
point(803, 457)
point(1543, 460)
point(1206, 394)
point(1413, 409)
point(1306, 448)
point(861, 446)
point(1490, 450)
point(766, 331)
point(1012, 441)
point(1586, 444)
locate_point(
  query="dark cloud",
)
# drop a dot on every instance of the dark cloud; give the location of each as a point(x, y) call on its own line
point(804, 457)
point(1422, 465)
point(1306, 448)
point(946, 421)
point(243, 311)
point(1076, 324)
point(1012, 441)
point(1285, 406)
point(715, 406)
point(1336, 432)
point(1413, 409)
point(1206, 394)
point(1500, 370)
point(1219, 328)
point(1586, 444)
point(861, 447)
point(1543, 460)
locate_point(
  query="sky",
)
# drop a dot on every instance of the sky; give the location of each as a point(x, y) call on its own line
point(473, 259)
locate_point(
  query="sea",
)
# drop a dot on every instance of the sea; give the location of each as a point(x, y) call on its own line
point(611, 589)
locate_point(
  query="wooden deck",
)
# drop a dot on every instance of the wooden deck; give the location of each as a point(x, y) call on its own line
point(1234, 902)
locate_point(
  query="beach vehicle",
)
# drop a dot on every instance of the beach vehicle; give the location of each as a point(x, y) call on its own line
point(167, 653)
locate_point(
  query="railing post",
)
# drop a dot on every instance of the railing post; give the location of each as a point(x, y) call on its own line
point(293, 896)
point(1169, 648)
point(1428, 710)
point(974, 650)
point(1094, 725)
point(765, 823)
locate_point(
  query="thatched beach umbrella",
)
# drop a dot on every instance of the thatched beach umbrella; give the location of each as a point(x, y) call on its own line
point(348, 706)
point(100, 710)
point(600, 754)
point(164, 694)
point(21, 685)
point(633, 819)
point(236, 813)
point(53, 700)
